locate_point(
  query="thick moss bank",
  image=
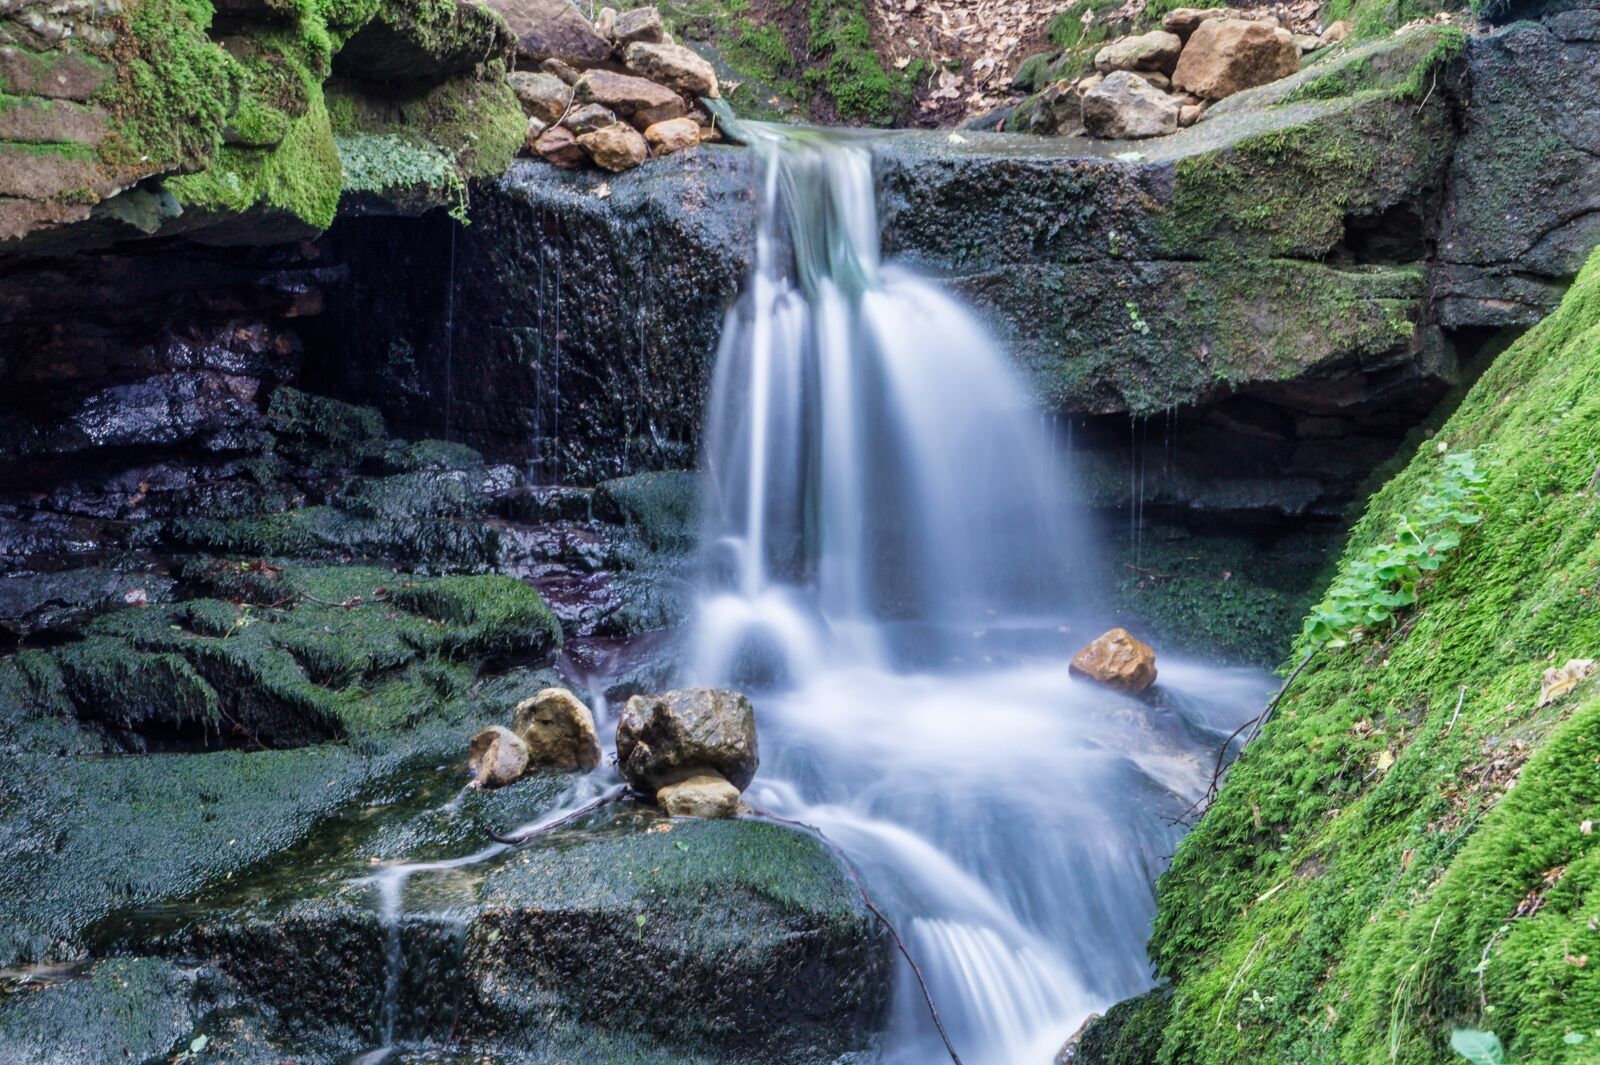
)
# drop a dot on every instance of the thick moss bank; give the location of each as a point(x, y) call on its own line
point(1407, 849)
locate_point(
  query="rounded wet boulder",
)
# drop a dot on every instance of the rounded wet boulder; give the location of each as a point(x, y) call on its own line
point(665, 739)
point(1117, 660)
point(558, 731)
point(495, 757)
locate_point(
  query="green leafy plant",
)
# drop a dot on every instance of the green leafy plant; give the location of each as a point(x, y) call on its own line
point(1480, 1048)
point(1383, 580)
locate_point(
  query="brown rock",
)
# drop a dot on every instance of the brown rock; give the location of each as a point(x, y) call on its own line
point(545, 28)
point(62, 74)
point(1334, 34)
point(1307, 42)
point(1154, 78)
point(495, 757)
point(18, 218)
point(1118, 661)
point(1189, 114)
point(672, 65)
point(1088, 82)
point(605, 23)
point(1156, 50)
point(558, 146)
point(616, 148)
point(1185, 20)
point(37, 175)
point(561, 69)
point(536, 130)
point(664, 739)
point(640, 24)
point(543, 96)
point(1126, 107)
point(639, 100)
point(586, 118)
point(673, 135)
point(702, 795)
point(558, 730)
point(36, 121)
point(1225, 56)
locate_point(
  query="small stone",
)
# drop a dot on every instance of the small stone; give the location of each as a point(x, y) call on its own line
point(639, 100)
point(495, 757)
point(1155, 78)
point(1307, 42)
point(1118, 661)
point(1226, 56)
point(605, 23)
point(1156, 50)
point(561, 69)
point(545, 28)
point(1189, 114)
point(589, 117)
point(673, 135)
point(536, 129)
point(616, 148)
point(672, 65)
point(558, 730)
point(705, 794)
point(640, 24)
point(1126, 107)
point(1334, 34)
point(1185, 20)
point(1056, 110)
point(1088, 82)
point(543, 96)
point(663, 739)
point(558, 146)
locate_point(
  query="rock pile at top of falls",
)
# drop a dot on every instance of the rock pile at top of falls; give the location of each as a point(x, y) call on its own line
point(1151, 84)
point(611, 93)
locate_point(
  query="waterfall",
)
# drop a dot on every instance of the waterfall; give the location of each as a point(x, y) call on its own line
point(892, 568)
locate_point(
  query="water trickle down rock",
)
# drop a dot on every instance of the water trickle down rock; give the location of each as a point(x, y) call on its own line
point(1117, 660)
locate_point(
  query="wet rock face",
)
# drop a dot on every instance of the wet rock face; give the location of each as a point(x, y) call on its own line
point(665, 739)
point(1524, 204)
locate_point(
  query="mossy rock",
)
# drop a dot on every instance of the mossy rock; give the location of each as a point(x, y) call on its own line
point(1368, 880)
point(663, 507)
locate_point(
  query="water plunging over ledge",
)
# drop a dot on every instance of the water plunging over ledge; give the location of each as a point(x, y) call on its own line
point(894, 570)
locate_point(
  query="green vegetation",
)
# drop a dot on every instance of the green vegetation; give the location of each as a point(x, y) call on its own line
point(1369, 880)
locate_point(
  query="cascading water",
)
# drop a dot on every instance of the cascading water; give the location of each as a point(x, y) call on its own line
point(892, 569)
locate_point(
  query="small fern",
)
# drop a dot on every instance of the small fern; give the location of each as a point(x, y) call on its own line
point(1383, 580)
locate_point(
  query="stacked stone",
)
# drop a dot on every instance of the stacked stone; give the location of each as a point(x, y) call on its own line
point(1155, 83)
point(51, 130)
point(611, 93)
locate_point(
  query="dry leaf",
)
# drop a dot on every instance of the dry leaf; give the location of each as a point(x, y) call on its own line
point(1558, 682)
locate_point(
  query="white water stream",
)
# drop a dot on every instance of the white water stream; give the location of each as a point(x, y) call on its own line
point(895, 574)
point(893, 570)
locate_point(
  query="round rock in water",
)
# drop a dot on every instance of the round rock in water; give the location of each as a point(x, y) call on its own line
point(1117, 660)
point(702, 795)
point(496, 756)
point(558, 731)
point(665, 739)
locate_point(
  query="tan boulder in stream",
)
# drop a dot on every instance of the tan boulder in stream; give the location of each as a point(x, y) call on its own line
point(1117, 660)
point(558, 730)
point(706, 794)
point(496, 756)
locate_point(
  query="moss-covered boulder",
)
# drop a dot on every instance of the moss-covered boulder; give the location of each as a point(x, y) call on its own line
point(1406, 851)
point(214, 119)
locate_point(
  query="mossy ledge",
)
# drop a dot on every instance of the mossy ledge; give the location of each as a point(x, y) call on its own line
point(232, 121)
point(1369, 880)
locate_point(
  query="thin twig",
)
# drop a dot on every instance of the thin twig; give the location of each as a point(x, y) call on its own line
point(1259, 721)
point(1149, 572)
point(614, 795)
point(1459, 701)
point(872, 907)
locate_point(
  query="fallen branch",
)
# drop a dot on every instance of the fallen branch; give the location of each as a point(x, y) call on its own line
point(872, 907)
point(1259, 721)
point(1461, 699)
point(614, 795)
point(1150, 572)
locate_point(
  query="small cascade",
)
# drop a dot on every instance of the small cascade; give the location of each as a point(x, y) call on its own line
point(893, 568)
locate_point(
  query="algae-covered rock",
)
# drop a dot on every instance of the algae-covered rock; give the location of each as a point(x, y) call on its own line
point(717, 938)
point(119, 1009)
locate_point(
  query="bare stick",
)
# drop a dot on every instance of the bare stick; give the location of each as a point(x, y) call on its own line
point(1259, 721)
point(614, 795)
point(1461, 699)
point(872, 907)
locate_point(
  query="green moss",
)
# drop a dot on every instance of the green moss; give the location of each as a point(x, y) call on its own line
point(1369, 878)
point(174, 89)
point(662, 507)
point(848, 71)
